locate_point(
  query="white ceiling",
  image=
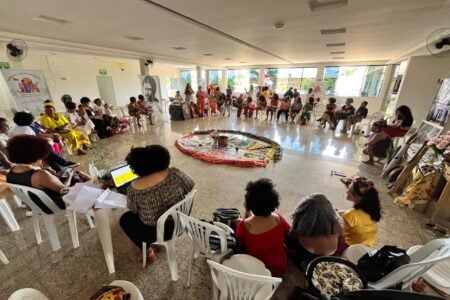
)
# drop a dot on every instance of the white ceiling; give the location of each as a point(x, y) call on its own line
point(376, 29)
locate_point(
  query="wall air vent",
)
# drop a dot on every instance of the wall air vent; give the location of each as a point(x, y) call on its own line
point(335, 44)
point(47, 19)
point(341, 57)
point(317, 5)
point(337, 52)
point(178, 48)
point(207, 54)
point(333, 31)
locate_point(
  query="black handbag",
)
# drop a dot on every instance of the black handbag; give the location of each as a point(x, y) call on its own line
point(378, 263)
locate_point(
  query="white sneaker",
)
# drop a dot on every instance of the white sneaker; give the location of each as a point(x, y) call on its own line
point(28, 213)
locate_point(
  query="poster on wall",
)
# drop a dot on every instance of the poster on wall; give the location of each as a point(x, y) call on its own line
point(318, 89)
point(28, 89)
point(151, 87)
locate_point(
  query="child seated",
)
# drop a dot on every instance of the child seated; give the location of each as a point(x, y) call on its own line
point(262, 233)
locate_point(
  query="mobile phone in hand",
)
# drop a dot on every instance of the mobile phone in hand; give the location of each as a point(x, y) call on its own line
point(66, 172)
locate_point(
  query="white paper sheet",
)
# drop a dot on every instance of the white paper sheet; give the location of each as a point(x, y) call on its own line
point(86, 197)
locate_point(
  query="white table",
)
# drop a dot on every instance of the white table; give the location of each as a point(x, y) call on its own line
point(103, 225)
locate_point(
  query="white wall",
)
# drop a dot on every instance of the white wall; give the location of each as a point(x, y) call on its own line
point(76, 76)
point(420, 83)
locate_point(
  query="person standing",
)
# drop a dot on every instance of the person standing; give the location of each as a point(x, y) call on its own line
point(201, 95)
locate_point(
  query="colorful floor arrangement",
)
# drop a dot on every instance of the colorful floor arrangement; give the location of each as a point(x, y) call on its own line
point(232, 147)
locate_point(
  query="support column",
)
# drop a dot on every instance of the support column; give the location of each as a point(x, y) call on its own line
point(200, 82)
point(143, 68)
point(261, 77)
point(224, 80)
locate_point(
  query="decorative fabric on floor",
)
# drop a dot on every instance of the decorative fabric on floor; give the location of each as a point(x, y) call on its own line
point(233, 147)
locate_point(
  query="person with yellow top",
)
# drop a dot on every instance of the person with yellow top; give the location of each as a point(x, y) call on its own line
point(361, 221)
point(57, 123)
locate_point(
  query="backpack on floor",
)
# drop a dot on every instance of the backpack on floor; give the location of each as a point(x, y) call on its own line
point(378, 263)
point(226, 215)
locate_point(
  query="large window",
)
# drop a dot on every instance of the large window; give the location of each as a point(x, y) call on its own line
point(355, 81)
point(215, 77)
point(189, 76)
point(241, 79)
point(279, 80)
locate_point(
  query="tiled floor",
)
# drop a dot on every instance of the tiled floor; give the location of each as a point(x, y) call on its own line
point(310, 153)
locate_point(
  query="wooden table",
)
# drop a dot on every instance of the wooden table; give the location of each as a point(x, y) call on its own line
point(442, 206)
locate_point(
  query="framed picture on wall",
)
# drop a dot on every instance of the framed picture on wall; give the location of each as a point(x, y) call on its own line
point(151, 87)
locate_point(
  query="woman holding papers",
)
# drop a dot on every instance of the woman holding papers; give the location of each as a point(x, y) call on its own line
point(28, 152)
point(156, 190)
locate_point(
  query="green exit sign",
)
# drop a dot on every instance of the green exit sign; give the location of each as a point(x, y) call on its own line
point(4, 65)
point(102, 72)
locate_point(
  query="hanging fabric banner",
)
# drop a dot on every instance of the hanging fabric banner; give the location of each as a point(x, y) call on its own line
point(28, 89)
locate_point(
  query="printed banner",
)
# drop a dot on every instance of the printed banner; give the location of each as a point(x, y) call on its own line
point(28, 89)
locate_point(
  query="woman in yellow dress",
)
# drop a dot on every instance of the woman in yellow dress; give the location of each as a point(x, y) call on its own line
point(56, 122)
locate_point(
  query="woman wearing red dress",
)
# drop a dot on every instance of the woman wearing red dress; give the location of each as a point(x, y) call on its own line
point(262, 233)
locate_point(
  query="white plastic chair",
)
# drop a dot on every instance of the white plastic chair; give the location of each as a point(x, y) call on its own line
point(27, 294)
point(3, 258)
point(23, 192)
point(157, 112)
point(130, 288)
point(240, 285)
point(199, 232)
point(8, 215)
point(185, 207)
point(422, 260)
point(439, 275)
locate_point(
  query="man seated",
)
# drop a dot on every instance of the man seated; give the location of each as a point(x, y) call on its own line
point(360, 114)
point(346, 110)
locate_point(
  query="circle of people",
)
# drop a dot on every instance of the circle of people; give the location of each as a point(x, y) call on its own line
point(215, 102)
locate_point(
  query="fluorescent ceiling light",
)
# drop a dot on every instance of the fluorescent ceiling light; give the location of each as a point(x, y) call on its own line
point(333, 31)
point(207, 54)
point(228, 58)
point(48, 19)
point(335, 44)
point(179, 48)
point(317, 5)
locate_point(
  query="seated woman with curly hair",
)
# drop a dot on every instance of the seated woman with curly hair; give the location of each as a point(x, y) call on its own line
point(316, 228)
point(262, 233)
point(28, 152)
point(158, 188)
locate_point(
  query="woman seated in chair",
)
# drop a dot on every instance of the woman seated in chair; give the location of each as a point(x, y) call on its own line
point(263, 232)
point(361, 221)
point(316, 229)
point(378, 143)
point(28, 152)
point(402, 122)
point(158, 189)
point(57, 123)
point(329, 116)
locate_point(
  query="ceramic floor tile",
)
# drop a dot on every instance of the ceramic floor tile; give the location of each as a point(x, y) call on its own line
point(310, 153)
